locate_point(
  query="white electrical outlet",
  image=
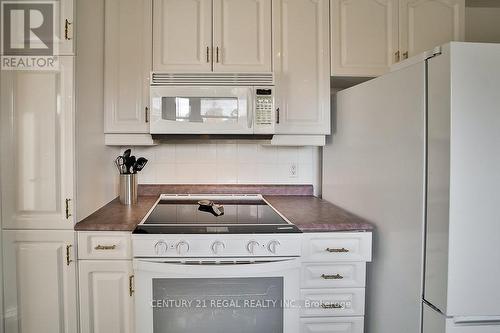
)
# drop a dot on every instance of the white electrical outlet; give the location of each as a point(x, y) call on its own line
point(292, 173)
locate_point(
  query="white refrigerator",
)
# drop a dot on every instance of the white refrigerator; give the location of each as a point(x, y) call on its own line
point(417, 152)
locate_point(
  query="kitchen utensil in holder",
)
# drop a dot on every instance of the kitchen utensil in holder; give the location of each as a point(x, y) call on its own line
point(128, 189)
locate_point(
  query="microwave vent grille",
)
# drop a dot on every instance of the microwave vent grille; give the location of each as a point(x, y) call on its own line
point(212, 79)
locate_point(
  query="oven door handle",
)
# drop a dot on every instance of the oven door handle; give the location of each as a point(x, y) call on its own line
point(183, 269)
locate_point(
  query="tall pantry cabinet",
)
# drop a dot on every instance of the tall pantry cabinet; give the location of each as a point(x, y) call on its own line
point(37, 165)
point(39, 193)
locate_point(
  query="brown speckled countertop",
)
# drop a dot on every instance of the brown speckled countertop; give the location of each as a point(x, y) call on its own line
point(308, 213)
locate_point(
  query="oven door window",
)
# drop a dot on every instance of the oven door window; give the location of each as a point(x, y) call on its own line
point(214, 305)
point(200, 109)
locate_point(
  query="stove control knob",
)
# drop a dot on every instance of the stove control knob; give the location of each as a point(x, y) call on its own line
point(272, 246)
point(161, 247)
point(217, 247)
point(251, 246)
point(182, 247)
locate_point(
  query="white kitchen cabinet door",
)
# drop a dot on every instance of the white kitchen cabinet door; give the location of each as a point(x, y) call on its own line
point(66, 31)
point(127, 65)
point(106, 302)
point(425, 24)
point(37, 147)
point(302, 66)
point(364, 36)
point(182, 35)
point(242, 36)
point(39, 281)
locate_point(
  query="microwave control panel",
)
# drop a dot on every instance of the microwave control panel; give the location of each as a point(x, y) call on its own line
point(264, 107)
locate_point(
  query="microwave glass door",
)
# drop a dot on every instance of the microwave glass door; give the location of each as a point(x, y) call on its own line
point(213, 305)
point(201, 110)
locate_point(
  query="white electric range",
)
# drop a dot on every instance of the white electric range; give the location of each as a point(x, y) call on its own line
point(216, 263)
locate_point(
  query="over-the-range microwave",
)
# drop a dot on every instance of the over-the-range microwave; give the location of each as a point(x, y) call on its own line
point(212, 109)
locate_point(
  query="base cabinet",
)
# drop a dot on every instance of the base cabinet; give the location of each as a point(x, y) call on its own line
point(106, 296)
point(333, 281)
point(39, 281)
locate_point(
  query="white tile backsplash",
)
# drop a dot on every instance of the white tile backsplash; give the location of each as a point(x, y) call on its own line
point(228, 163)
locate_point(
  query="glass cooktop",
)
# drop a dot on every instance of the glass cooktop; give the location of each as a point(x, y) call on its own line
point(227, 215)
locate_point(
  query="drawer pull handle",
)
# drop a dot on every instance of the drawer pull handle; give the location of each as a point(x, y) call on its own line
point(105, 247)
point(332, 277)
point(337, 250)
point(331, 306)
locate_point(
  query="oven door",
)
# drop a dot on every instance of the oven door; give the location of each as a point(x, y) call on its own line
point(212, 298)
point(202, 110)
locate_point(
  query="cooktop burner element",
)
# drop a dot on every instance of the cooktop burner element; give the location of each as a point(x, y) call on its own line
point(193, 214)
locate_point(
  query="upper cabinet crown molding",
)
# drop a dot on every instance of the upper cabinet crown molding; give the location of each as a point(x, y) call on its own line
point(368, 36)
point(206, 36)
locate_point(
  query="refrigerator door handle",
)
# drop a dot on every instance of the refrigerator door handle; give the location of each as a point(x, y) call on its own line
point(476, 320)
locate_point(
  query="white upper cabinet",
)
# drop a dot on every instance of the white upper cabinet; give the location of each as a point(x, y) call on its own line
point(39, 281)
point(182, 35)
point(37, 124)
point(106, 296)
point(242, 35)
point(302, 66)
point(425, 24)
point(127, 66)
point(368, 36)
point(205, 36)
point(364, 36)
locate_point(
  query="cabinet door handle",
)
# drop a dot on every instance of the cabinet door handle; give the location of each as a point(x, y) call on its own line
point(277, 115)
point(397, 56)
point(67, 23)
point(68, 260)
point(217, 54)
point(336, 250)
point(68, 214)
point(131, 285)
point(405, 55)
point(331, 306)
point(208, 54)
point(146, 114)
point(332, 277)
point(105, 247)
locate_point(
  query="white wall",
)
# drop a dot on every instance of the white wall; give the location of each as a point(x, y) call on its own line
point(229, 163)
point(482, 22)
point(97, 179)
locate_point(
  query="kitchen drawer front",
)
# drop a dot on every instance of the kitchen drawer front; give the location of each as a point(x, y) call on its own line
point(104, 245)
point(333, 302)
point(335, 275)
point(339, 246)
point(332, 325)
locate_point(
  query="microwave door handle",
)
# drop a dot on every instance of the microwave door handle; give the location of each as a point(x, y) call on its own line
point(250, 107)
